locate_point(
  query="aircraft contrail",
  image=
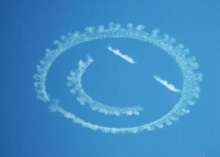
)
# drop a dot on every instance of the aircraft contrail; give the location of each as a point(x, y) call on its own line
point(123, 56)
point(76, 87)
point(166, 84)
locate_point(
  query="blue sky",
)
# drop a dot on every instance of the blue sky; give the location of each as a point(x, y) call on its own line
point(28, 128)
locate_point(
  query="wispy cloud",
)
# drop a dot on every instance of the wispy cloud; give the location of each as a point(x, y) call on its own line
point(123, 56)
point(166, 84)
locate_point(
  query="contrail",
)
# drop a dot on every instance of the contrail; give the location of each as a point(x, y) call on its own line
point(151, 126)
point(166, 84)
point(123, 56)
point(74, 82)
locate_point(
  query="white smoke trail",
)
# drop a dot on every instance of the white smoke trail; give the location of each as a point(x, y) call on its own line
point(188, 66)
point(166, 84)
point(123, 56)
point(75, 83)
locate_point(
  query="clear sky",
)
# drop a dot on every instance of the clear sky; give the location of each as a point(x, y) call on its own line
point(124, 73)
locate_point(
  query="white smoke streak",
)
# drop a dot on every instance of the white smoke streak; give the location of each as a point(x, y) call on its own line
point(123, 56)
point(166, 84)
point(75, 119)
point(75, 83)
point(188, 66)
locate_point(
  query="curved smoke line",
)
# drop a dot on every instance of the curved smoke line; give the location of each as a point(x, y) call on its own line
point(75, 83)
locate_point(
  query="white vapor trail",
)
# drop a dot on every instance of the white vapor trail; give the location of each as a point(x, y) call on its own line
point(75, 83)
point(123, 56)
point(166, 84)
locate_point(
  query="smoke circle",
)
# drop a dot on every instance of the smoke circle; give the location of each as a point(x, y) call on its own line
point(188, 65)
